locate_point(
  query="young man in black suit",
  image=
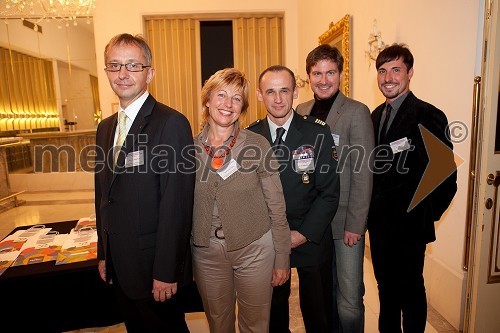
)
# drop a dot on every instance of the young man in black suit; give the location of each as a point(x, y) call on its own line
point(401, 223)
point(311, 187)
point(143, 194)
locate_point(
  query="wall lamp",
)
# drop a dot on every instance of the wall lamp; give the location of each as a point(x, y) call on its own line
point(301, 83)
point(375, 43)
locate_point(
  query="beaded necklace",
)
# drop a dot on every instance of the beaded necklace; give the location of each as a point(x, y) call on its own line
point(218, 160)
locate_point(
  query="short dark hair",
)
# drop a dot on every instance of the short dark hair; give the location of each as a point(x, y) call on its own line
point(128, 39)
point(394, 52)
point(324, 52)
point(278, 68)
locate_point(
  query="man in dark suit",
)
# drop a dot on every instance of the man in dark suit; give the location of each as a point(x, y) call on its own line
point(400, 227)
point(352, 130)
point(303, 146)
point(143, 194)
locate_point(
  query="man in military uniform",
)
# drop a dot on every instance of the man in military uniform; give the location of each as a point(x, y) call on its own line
point(303, 145)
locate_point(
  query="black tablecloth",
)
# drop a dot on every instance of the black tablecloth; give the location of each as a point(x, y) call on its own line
point(44, 297)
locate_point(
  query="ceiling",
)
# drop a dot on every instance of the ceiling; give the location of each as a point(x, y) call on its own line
point(6, 14)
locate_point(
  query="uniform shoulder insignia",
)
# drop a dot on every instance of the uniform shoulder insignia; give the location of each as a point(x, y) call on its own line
point(314, 120)
point(321, 122)
point(254, 123)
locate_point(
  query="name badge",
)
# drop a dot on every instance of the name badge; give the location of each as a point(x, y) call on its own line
point(336, 139)
point(229, 169)
point(303, 158)
point(400, 145)
point(134, 158)
point(305, 164)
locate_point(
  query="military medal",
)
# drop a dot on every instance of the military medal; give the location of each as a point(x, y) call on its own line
point(305, 178)
point(218, 160)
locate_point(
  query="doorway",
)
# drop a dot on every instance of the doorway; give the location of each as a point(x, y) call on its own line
point(257, 43)
point(483, 281)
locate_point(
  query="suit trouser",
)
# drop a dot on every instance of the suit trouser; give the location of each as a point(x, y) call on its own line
point(148, 315)
point(348, 287)
point(316, 302)
point(398, 265)
point(224, 277)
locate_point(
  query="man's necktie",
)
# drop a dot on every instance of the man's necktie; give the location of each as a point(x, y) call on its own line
point(122, 133)
point(279, 137)
point(278, 144)
point(383, 130)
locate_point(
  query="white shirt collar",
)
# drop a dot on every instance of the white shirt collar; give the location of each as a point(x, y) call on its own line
point(131, 111)
point(286, 126)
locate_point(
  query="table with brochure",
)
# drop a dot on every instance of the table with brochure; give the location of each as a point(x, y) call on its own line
point(49, 280)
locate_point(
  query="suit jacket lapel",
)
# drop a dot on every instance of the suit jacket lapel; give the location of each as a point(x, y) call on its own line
point(107, 148)
point(294, 135)
point(265, 131)
point(377, 115)
point(137, 127)
point(306, 108)
point(402, 113)
point(110, 138)
point(335, 110)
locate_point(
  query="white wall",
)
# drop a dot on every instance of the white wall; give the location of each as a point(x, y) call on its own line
point(442, 37)
point(129, 21)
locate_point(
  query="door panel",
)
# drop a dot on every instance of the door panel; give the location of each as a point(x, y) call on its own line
point(483, 292)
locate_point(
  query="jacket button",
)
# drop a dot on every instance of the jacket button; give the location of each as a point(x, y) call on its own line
point(110, 200)
point(216, 184)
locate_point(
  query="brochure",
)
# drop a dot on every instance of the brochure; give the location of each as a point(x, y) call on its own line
point(10, 247)
point(78, 246)
point(44, 248)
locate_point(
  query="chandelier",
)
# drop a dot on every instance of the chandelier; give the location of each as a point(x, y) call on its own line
point(63, 11)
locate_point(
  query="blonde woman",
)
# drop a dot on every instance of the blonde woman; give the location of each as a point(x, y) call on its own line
point(240, 236)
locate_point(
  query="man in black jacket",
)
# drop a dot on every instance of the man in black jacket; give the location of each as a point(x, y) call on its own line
point(143, 220)
point(310, 181)
point(401, 218)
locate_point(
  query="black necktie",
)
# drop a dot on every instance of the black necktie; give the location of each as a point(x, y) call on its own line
point(383, 130)
point(279, 137)
point(278, 145)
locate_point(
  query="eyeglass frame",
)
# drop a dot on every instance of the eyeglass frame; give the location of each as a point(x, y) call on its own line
point(125, 65)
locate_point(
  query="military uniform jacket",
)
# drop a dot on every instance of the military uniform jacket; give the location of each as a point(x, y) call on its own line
point(311, 196)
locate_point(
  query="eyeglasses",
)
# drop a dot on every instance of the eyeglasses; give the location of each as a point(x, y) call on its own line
point(131, 67)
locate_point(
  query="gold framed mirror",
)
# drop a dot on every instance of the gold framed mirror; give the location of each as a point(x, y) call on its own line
point(338, 35)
